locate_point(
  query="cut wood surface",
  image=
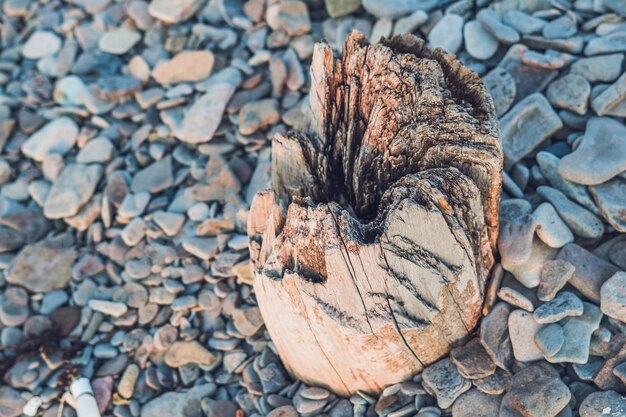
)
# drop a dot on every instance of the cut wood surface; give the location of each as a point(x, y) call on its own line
point(372, 249)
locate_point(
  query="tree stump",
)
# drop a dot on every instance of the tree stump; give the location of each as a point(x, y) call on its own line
point(372, 248)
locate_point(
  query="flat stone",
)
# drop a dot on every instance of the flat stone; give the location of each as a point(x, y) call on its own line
point(258, 115)
point(170, 223)
point(40, 44)
point(590, 271)
point(537, 391)
point(613, 296)
point(548, 163)
point(550, 228)
point(565, 304)
point(126, 386)
point(186, 66)
point(201, 120)
point(603, 68)
point(522, 330)
point(501, 86)
point(607, 44)
point(493, 384)
point(219, 408)
point(110, 308)
point(173, 11)
point(474, 403)
point(178, 404)
point(610, 98)
point(472, 361)
point(561, 27)
point(45, 266)
point(154, 178)
point(516, 238)
point(523, 22)
point(580, 220)
point(528, 273)
point(134, 231)
point(116, 87)
point(290, 16)
point(191, 352)
point(119, 41)
point(447, 33)
point(516, 294)
point(337, 8)
point(492, 23)
point(494, 335)
point(247, 321)
point(603, 404)
point(72, 190)
point(572, 44)
point(56, 137)
point(529, 79)
point(550, 339)
point(577, 331)
point(219, 183)
point(526, 126)
point(132, 294)
point(478, 42)
point(11, 402)
point(408, 24)
point(554, 275)
point(14, 306)
point(570, 92)
point(284, 411)
point(443, 381)
point(611, 199)
point(96, 150)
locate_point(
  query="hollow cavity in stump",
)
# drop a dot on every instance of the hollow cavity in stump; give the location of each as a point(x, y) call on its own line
point(372, 248)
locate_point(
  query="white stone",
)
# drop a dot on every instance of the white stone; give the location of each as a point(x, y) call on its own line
point(56, 137)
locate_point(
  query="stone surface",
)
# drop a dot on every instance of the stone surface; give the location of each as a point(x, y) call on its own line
point(603, 404)
point(554, 275)
point(186, 66)
point(257, 115)
point(603, 68)
point(472, 361)
point(550, 228)
point(580, 221)
point(550, 339)
point(522, 330)
point(56, 137)
point(528, 273)
point(443, 381)
point(44, 266)
point(119, 41)
point(526, 126)
point(184, 353)
point(14, 307)
point(577, 331)
point(601, 154)
point(501, 85)
point(478, 42)
point(173, 11)
point(611, 199)
point(40, 44)
point(565, 304)
point(590, 271)
point(447, 33)
point(154, 178)
point(474, 403)
point(613, 296)
point(72, 190)
point(494, 335)
point(537, 391)
point(178, 404)
point(570, 92)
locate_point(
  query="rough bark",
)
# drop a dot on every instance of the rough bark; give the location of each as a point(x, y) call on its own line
point(372, 248)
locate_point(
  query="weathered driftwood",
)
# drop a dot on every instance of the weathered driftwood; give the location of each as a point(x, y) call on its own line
point(372, 248)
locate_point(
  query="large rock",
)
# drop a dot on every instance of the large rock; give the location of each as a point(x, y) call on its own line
point(613, 297)
point(45, 266)
point(173, 11)
point(537, 391)
point(178, 404)
point(58, 137)
point(526, 126)
point(72, 190)
point(600, 156)
point(186, 66)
